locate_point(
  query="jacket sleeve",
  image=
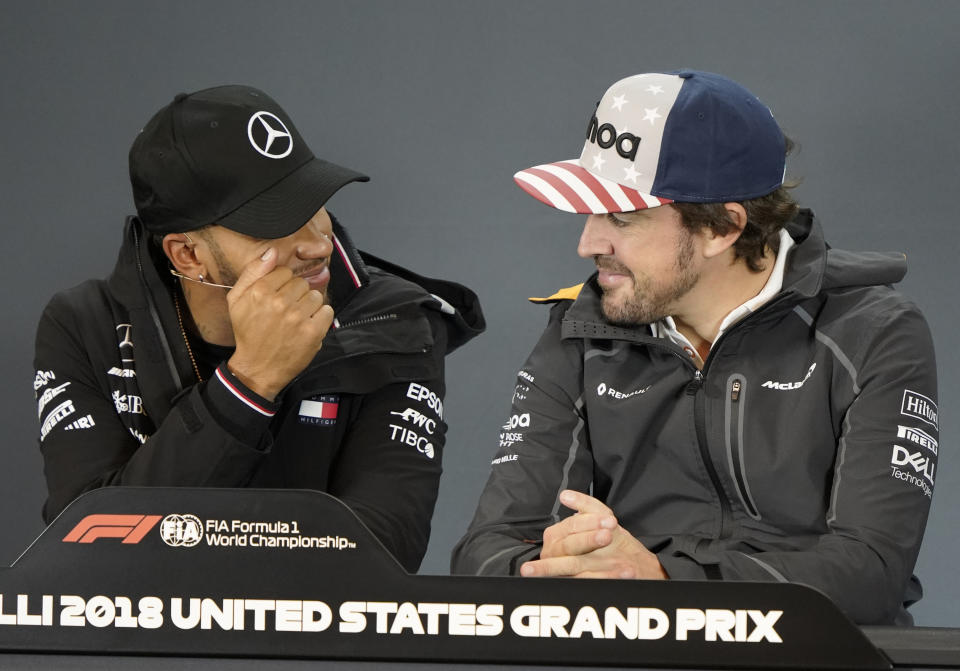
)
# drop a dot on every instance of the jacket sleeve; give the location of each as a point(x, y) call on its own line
point(389, 463)
point(882, 484)
point(543, 449)
point(212, 436)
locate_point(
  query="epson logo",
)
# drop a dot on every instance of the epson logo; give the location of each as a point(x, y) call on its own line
point(418, 392)
point(606, 136)
point(921, 407)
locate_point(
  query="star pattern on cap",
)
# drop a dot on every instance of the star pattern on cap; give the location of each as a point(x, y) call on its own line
point(651, 115)
point(654, 89)
point(619, 102)
point(598, 161)
point(631, 173)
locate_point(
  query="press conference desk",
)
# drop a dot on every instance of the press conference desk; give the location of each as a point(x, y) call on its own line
point(266, 579)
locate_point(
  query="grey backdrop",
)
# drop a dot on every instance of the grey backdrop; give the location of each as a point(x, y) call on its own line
point(440, 102)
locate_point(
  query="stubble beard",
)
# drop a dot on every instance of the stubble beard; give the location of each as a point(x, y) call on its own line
point(225, 271)
point(646, 303)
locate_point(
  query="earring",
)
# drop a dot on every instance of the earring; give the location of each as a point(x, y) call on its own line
point(200, 278)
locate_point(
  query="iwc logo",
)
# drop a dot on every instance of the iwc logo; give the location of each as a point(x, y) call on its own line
point(181, 531)
point(269, 135)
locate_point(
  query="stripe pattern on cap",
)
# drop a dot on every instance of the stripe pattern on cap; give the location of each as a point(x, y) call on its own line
point(568, 186)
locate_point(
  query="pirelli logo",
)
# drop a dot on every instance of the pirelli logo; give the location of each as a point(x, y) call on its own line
point(131, 528)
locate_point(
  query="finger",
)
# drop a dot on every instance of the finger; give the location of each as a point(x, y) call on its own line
point(579, 523)
point(554, 567)
point(614, 573)
point(583, 503)
point(289, 288)
point(325, 316)
point(313, 307)
point(580, 544)
point(254, 270)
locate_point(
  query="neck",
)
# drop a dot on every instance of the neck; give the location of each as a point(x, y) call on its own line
point(209, 316)
point(723, 286)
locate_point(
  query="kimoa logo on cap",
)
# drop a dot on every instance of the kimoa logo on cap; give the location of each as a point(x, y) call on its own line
point(606, 136)
point(269, 136)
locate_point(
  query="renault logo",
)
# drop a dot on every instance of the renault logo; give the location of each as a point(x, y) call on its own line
point(269, 136)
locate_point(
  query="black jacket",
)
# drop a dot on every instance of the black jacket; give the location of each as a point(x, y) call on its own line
point(119, 403)
point(804, 451)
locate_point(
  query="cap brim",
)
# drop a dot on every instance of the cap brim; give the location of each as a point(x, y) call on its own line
point(570, 187)
point(290, 203)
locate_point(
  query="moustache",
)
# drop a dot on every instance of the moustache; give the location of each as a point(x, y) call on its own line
point(610, 265)
point(309, 268)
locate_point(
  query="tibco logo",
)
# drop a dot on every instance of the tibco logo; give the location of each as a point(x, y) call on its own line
point(131, 528)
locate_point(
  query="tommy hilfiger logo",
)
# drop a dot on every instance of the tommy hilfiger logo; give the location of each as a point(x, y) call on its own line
point(320, 410)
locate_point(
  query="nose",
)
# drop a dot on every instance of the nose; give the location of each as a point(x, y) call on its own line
point(312, 244)
point(594, 241)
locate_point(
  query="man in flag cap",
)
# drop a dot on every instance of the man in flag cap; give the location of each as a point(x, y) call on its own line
point(242, 339)
point(726, 397)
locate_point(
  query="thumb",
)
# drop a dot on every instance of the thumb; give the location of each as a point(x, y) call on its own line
point(254, 270)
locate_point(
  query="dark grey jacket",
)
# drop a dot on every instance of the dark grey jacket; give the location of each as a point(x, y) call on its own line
point(119, 403)
point(804, 451)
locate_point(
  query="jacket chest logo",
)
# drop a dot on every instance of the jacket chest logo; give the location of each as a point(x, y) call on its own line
point(320, 410)
point(604, 390)
point(787, 386)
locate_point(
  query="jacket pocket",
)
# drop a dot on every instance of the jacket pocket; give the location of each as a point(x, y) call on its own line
point(734, 410)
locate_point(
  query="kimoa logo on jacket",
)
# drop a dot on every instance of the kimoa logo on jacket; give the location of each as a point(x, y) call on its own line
point(784, 386)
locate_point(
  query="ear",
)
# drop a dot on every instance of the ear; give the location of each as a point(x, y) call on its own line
point(715, 244)
point(182, 253)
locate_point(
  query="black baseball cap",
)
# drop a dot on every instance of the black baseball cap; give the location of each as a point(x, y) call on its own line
point(229, 156)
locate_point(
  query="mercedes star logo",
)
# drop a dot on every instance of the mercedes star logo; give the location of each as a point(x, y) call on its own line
point(269, 136)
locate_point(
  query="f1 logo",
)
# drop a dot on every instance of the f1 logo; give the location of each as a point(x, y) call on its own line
point(131, 528)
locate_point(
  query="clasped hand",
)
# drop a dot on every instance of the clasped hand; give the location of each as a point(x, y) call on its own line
point(592, 544)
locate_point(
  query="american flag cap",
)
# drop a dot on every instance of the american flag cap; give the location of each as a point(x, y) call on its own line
point(657, 138)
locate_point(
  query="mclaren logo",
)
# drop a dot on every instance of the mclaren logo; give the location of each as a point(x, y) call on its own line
point(786, 386)
point(131, 528)
point(269, 135)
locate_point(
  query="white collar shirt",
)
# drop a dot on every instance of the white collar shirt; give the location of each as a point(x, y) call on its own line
point(667, 327)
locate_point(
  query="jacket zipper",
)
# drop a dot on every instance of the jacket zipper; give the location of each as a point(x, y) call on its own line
point(389, 316)
point(734, 411)
point(699, 412)
point(700, 424)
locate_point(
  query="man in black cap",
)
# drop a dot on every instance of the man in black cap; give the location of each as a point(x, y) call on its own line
point(242, 340)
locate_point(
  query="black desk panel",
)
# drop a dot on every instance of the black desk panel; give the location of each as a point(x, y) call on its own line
point(219, 576)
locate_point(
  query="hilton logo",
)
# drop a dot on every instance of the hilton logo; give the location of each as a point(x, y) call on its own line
point(921, 407)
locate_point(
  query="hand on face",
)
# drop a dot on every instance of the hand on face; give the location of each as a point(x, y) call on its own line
point(592, 544)
point(279, 324)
